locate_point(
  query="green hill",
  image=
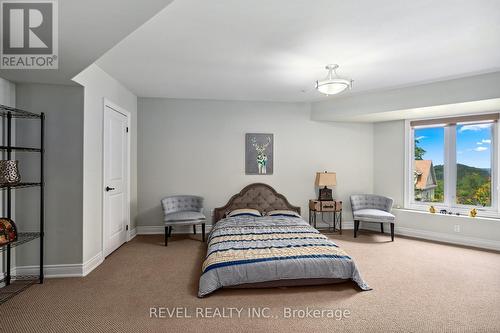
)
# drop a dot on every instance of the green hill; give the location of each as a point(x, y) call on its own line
point(463, 171)
point(473, 185)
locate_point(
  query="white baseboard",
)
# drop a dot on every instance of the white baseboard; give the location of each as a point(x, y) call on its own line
point(150, 229)
point(347, 225)
point(434, 236)
point(449, 238)
point(402, 231)
point(61, 271)
point(160, 230)
point(131, 234)
point(81, 270)
point(92, 263)
point(50, 271)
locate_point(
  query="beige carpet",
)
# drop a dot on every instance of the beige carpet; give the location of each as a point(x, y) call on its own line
point(418, 287)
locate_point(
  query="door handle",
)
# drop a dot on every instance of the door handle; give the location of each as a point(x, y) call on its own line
point(109, 188)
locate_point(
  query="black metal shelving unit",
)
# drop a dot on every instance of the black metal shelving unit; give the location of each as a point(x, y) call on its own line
point(13, 285)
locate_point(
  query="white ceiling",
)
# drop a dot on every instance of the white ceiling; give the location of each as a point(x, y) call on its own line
point(87, 29)
point(274, 50)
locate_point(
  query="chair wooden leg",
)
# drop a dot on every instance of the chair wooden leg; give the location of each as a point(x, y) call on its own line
point(194, 229)
point(166, 235)
point(356, 227)
point(392, 232)
point(203, 232)
point(382, 227)
point(170, 231)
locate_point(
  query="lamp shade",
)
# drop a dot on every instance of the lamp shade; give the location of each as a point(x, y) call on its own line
point(326, 179)
point(333, 84)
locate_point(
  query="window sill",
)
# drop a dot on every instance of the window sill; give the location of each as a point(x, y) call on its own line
point(491, 216)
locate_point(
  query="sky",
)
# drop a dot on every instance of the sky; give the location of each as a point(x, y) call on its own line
point(473, 144)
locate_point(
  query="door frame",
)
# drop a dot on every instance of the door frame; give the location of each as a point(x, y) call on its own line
point(128, 115)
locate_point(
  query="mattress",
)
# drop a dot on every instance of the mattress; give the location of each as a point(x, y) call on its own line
point(254, 251)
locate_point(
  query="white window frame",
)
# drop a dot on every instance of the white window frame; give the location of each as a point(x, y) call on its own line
point(449, 174)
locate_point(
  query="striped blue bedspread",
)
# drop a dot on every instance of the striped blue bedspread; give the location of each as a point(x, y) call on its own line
point(248, 249)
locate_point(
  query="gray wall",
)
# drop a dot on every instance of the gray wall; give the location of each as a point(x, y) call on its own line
point(63, 106)
point(99, 85)
point(7, 93)
point(388, 156)
point(197, 147)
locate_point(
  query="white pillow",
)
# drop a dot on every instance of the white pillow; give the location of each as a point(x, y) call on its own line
point(282, 212)
point(244, 212)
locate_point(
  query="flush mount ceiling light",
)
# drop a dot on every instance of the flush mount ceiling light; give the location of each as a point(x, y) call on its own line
point(332, 84)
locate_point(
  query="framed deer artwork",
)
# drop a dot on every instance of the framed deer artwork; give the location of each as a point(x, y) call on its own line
point(259, 154)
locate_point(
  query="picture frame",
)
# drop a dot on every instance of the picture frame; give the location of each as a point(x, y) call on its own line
point(259, 154)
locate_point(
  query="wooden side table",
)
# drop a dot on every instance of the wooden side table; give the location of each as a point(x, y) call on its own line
point(333, 207)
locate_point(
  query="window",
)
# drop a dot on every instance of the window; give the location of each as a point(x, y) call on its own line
point(428, 164)
point(473, 184)
point(452, 163)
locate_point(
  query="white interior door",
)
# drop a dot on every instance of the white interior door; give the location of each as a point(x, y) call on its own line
point(116, 203)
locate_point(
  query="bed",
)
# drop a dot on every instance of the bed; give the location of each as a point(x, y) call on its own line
point(270, 251)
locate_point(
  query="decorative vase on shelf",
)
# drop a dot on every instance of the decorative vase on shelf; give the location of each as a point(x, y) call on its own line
point(432, 209)
point(8, 231)
point(9, 172)
point(473, 212)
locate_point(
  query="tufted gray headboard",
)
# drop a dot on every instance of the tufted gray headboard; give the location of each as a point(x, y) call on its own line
point(257, 196)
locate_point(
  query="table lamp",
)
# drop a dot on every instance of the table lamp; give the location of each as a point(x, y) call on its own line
point(325, 179)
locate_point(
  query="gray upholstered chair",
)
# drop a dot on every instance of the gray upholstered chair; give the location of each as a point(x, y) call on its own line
point(183, 210)
point(372, 208)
